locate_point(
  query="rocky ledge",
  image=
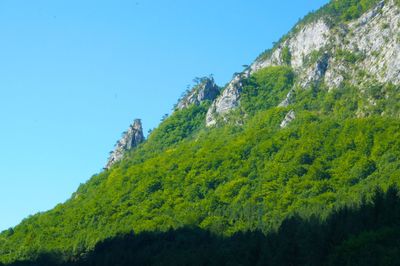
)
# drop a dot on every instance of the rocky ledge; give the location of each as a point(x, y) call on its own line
point(205, 90)
point(130, 139)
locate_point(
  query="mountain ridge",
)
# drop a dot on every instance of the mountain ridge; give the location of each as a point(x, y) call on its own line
point(278, 140)
point(317, 53)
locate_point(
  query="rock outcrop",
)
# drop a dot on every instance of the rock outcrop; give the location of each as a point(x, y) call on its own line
point(375, 35)
point(228, 100)
point(312, 37)
point(287, 100)
point(363, 50)
point(130, 139)
point(205, 90)
point(316, 73)
point(288, 118)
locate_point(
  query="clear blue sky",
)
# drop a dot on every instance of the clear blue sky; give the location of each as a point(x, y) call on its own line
point(75, 73)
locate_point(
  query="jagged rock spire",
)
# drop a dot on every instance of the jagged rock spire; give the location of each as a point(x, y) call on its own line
point(130, 139)
point(205, 90)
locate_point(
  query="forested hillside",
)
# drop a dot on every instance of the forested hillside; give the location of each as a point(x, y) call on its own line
point(367, 235)
point(308, 139)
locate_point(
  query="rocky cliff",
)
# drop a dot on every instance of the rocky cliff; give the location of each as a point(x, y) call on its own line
point(130, 139)
point(205, 90)
point(327, 52)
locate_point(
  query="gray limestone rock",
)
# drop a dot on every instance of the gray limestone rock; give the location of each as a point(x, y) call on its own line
point(130, 139)
point(373, 40)
point(287, 100)
point(316, 72)
point(288, 118)
point(205, 90)
point(376, 35)
point(312, 37)
point(228, 100)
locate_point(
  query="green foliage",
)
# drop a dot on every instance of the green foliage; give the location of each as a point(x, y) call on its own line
point(178, 127)
point(349, 57)
point(225, 180)
point(366, 235)
point(286, 55)
point(231, 178)
point(313, 57)
point(171, 131)
point(235, 178)
point(351, 9)
point(341, 11)
point(266, 88)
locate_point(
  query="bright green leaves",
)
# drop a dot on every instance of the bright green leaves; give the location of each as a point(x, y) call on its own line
point(286, 56)
point(266, 88)
point(351, 9)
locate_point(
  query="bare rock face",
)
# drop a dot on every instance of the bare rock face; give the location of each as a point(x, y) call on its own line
point(376, 36)
point(375, 39)
point(334, 76)
point(316, 72)
point(288, 118)
point(330, 55)
point(312, 37)
point(206, 90)
point(287, 100)
point(130, 139)
point(228, 100)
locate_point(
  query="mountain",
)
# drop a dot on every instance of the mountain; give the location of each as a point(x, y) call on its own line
point(310, 128)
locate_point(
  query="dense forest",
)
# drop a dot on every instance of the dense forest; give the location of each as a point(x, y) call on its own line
point(366, 235)
point(320, 191)
point(324, 160)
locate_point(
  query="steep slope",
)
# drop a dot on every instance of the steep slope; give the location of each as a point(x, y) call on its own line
point(330, 49)
point(310, 126)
